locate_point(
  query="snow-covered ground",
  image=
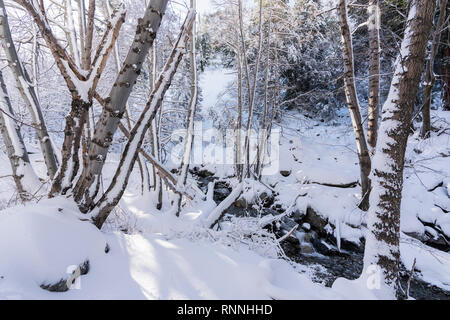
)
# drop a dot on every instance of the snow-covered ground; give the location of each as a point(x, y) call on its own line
point(39, 243)
point(318, 155)
point(328, 155)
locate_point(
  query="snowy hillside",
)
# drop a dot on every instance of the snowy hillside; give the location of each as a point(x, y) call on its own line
point(154, 255)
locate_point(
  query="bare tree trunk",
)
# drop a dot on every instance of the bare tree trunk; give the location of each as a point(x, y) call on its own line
point(189, 137)
point(120, 180)
point(263, 133)
point(154, 137)
point(158, 185)
point(445, 69)
point(73, 133)
point(374, 73)
point(152, 132)
point(429, 78)
point(246, 155)
point(239, 167)
point(22, 171)
point(353, 102)
point(155, 129)
point(73, 43)
point(34, 61)
point(116, 102)
point(142, 166)
point(28, 93)
point(82, 24)
point(383, 238)
point(253, 89)
point(88, 37)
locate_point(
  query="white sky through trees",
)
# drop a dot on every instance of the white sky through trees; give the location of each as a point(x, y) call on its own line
point(204, 6)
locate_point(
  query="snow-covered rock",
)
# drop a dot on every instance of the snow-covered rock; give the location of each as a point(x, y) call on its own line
point(43, 243)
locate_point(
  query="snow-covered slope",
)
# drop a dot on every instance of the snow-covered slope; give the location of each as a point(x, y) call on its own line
point(38, 243)
point(154, 255)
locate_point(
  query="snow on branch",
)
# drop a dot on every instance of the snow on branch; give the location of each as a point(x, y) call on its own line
point(105, 47)
point(59, 53)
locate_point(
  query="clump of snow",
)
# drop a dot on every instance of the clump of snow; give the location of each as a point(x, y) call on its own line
point(432, 265)
point(40, 242)
point(366, 287)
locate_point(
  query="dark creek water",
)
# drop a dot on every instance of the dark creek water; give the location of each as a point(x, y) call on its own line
point(319, 252)
point(349, 265)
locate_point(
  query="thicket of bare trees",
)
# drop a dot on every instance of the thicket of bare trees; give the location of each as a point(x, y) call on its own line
point(81, 64)
point(429, 76)
point(277, 66)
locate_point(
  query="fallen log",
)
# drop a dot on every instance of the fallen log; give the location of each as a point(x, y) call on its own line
point(352, 184)
point(287, 235)
point(221, 209)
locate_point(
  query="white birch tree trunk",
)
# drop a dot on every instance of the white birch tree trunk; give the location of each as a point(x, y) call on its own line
point(154, 136)
point(189, 137)
point(142, 165)
point(27, 183)
point(239, 166)
point(353, 102)
point(111, 115)
point(73, 42)
point(28, 93)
